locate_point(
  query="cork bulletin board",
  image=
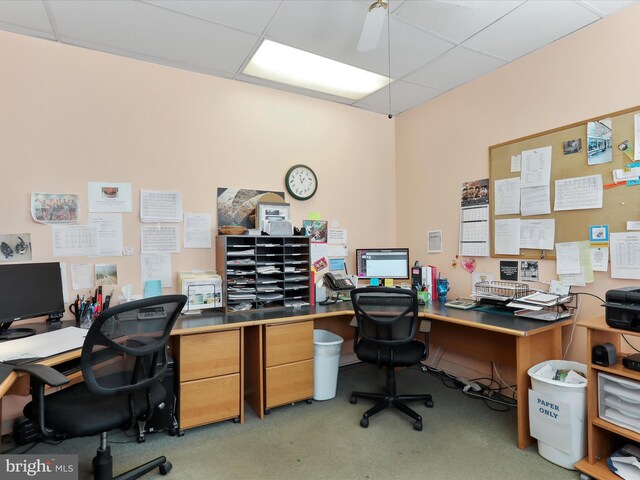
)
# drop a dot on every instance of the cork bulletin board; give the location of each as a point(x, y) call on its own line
point(619, 204)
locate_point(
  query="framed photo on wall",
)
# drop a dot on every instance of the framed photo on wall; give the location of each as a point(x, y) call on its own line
point(317, 230)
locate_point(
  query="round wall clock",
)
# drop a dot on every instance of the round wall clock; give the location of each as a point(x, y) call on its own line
point(301, 182)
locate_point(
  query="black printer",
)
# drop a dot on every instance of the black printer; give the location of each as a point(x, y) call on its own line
point(623, 308)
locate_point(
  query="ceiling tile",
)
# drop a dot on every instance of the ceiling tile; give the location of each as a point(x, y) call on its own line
point(25, 17)
point(150, 31)
point(251, 16)
point(455, 67)
point(332, 29)
point(607, 7)
point(531, 26)
point(456, 21)
point(404, 95)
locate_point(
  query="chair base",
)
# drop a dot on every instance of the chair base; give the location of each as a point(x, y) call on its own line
point(396, 401)
point(103, 467)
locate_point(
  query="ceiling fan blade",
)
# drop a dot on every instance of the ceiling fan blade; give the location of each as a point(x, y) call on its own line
point(373, 25)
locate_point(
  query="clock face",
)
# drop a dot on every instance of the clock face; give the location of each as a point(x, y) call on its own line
point(301, 182)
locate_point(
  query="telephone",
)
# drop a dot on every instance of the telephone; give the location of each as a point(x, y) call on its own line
point(338, 282)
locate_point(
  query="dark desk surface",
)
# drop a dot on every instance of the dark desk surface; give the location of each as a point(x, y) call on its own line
point(508, 324)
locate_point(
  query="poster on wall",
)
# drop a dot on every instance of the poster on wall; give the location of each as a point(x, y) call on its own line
point(55, 208)
point(237, 206)
point(474, 219)
point(599, 142)
point(15, 247)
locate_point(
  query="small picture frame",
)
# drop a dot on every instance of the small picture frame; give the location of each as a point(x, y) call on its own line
point(599, 233)
point(271, 212)
point(317, 230)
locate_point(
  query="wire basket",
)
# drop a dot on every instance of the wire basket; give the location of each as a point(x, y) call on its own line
point(505, 290)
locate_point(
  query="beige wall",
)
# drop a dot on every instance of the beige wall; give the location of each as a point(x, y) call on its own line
point(445, 142)
point(69, 116)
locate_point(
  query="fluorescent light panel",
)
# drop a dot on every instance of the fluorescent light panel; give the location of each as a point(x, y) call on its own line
point(283, 64)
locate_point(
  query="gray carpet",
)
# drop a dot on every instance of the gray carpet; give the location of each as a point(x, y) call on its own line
point(462, 438)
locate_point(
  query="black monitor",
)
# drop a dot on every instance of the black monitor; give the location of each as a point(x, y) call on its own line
point(382, 263)
point(29, 290)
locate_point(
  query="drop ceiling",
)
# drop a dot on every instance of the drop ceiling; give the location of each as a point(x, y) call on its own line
point(436, 45)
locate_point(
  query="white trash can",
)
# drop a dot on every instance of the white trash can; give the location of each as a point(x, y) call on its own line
point(326, 359)
point(557, 414)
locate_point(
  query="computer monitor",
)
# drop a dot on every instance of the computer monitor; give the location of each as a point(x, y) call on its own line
point(382, 263)
point(29, 290)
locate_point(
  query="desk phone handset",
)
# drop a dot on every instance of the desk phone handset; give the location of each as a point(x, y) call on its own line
point(338, 282)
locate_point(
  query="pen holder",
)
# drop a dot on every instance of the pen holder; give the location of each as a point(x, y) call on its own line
point(74, 308)
point(87, 318)
point(443, 289)
point(424, 296)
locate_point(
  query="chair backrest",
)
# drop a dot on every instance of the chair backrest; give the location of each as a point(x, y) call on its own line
point(386, 316)
point(126, 347)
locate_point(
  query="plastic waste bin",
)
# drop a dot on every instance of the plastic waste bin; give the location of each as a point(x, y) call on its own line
point(557, 413)
point(326, 359)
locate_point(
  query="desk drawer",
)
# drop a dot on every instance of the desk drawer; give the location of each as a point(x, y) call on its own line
point(289, 383)
point(288, 343)
point(208, 355)
point(210, 400)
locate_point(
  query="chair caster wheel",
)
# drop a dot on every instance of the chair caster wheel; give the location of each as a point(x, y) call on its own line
point(309, 401)
point(353, 400)
point(236, 420)
point(418, 425)
point(267, 411)
point(165, 468)
point(364, 422)
point(429, 404)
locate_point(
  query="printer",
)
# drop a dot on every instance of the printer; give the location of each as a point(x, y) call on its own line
point(622, 308)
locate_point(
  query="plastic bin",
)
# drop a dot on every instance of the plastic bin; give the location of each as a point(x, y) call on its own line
point(557, 415)
point(326, 359)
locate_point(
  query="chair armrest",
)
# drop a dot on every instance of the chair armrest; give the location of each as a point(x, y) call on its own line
point(44, 374)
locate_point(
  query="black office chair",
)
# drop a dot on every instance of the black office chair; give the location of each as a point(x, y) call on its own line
point(123, 359)
point(387, 322)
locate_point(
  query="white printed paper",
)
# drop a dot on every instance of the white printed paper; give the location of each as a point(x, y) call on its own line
point(578, 193)
point(158, 206)
point(567, 258)
point(507, 237)
point(474, 231)
point(81, 276)
point(319, 250)
point(74, 240)
point(434, 241)
point(156, 267)
point(633, 225)
point(507, 196)
point(625, 255)
point(538, 234)
point(516, 161)
point(109, 226)
point(536, 167)
point(197, 230)
point(600, 259)
point(535, 201)
point(159, 239)
point(337, 235)
point(109, 197)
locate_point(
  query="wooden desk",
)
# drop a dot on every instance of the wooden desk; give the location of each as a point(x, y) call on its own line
point(506, 340)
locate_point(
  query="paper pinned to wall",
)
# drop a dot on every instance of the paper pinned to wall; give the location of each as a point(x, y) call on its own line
point(507, 237)
point(156, 267)
point(74, 240)
point(625, 255)
point(109, 227)
point(516, 161)
point(81, 276)
point(319, 250)
point(600, 259)
point(197, 230)
point(567, 258)
point(535, 201)
point(159, 239)
point(507, 196)
point(578, 193)
point(156, 206)
point(537, 234)
point(337, 235)
point(536, 167)
point(109, 197)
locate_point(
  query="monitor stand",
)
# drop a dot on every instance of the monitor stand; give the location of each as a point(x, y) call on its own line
point(7, 333)
point(53, 322)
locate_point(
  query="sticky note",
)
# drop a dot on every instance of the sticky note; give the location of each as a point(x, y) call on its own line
point(388, 282)
point(314, 216)
point(374, 282)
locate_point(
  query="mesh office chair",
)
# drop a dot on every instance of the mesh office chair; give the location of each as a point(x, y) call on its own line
point(123, 359)
point(387, 322)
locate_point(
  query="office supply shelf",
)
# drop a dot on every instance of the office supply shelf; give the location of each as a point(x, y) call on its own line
point(603, 437)
point(261, 263)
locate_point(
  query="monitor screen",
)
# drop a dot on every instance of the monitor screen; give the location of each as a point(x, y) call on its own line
point(382, 262)
point(29, 290)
